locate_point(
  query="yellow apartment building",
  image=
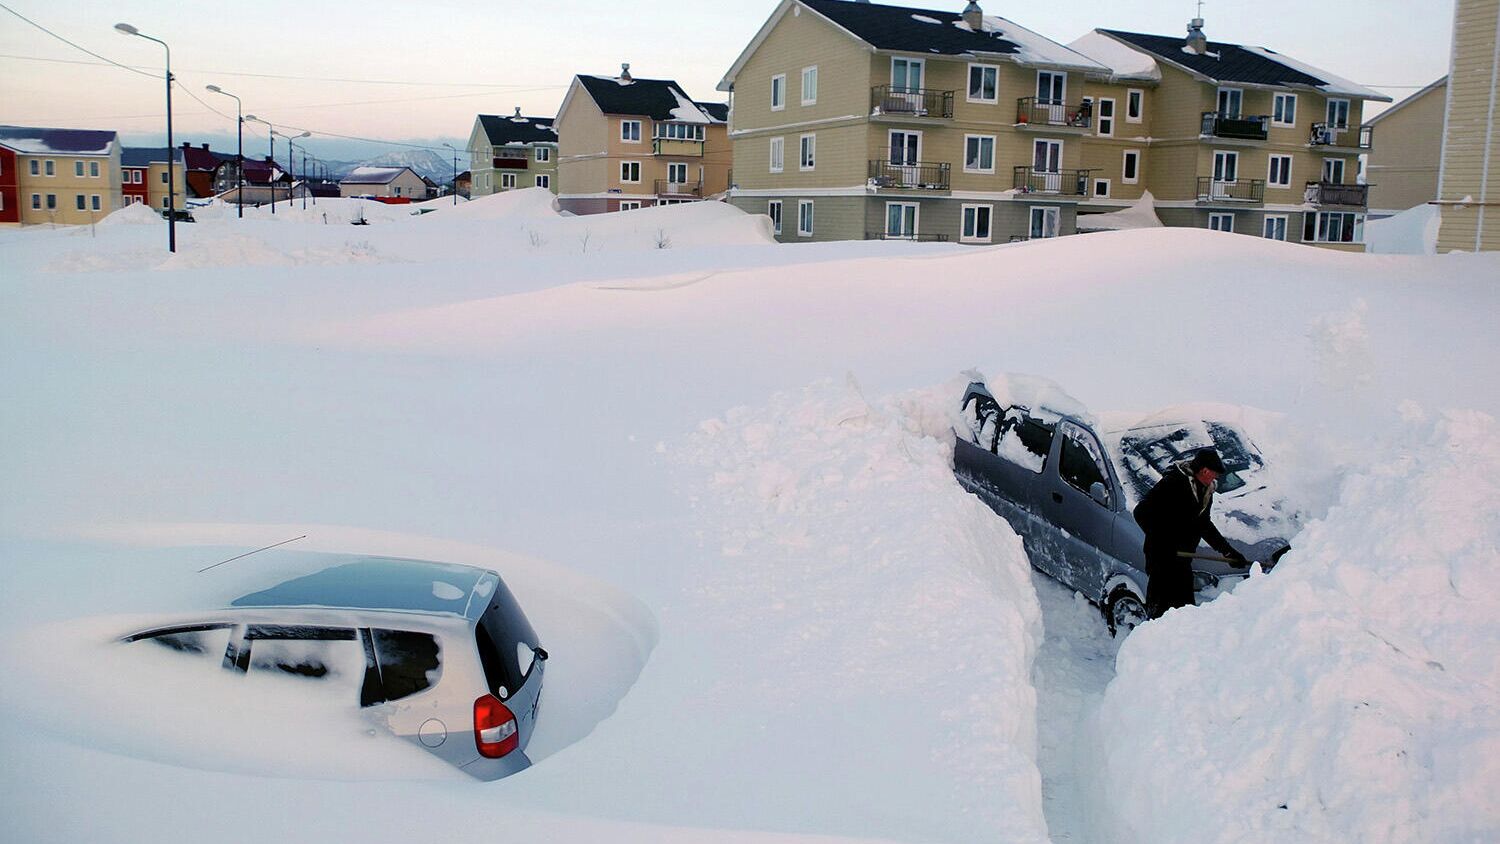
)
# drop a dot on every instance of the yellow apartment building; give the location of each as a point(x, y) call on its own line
point(1469, 175)
point(58, 176)
point(510, 153)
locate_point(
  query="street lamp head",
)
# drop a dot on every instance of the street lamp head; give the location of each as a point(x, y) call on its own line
point(216, 89)
point(303, 135)
point(253, 119)
point(127, 29)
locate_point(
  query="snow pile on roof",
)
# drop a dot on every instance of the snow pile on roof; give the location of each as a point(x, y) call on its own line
point(926, 19)
point(1123, 62)
point(687, 111)
point(1335, 84)
point(1032, 47)
point(1140, 214)
point(1349, 696)
point(1411, 232)
point(826, 513)
point(368, 175)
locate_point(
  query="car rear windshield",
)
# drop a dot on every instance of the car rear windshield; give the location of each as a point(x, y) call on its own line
point(503, 636)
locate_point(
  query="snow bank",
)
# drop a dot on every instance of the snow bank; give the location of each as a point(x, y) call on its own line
point(879, 616)
point(1411, 232)
point(1351, 696)
point(135, 214)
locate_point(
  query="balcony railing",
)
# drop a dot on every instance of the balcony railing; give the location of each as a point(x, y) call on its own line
point(917, 102)
point(1036, 111)
point(920, 175)
point(1063, 182)
point(1231, 190)
point(1327, 193)
point(1249, 127)
point(677, 147)
point(1341, 136)
point(914, 238)
point(510, 162)
point(667, 187)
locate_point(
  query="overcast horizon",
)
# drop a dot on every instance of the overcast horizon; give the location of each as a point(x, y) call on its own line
point(396, 72)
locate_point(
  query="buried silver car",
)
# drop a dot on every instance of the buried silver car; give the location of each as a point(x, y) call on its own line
point(437, 654)
point(1069, 488)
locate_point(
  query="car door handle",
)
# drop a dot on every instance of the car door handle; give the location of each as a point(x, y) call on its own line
point(1057, 497)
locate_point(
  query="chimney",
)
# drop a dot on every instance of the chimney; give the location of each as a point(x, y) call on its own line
point(974, 17)
point(625, 72)
point(518, 111)
point(205, 146)
point(1196, 40)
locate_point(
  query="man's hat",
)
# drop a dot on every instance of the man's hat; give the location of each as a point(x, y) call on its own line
point(1207, 458)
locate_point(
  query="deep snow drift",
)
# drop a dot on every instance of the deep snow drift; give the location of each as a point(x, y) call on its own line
point(844, 643)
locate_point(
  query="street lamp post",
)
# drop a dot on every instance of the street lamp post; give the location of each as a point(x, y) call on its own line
point(270, 171)
point(291, 154)
point(454, 184)
point(240, 157)
point(127, 29)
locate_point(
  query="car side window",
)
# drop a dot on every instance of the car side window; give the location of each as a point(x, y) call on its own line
point(200, 640)
point(1082, 461)
point(409, 662)
point(320, 653)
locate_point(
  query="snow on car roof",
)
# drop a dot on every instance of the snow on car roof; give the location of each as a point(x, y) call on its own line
point(375, 583)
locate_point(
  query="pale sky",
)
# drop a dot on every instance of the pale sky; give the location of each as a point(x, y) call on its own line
point(455, 59)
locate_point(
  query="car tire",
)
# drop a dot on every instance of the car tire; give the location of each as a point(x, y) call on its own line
point(1123, 612)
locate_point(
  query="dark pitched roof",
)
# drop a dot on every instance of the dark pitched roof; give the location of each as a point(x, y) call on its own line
point(718, 111)
point(908, 29)
point(31, 140)
point(653, 98)
point(202, 158)
point(517, 129)
point(142, 156)
point(1223, 62)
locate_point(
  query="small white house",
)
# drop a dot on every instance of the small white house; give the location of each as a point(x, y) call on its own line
point(384, 181)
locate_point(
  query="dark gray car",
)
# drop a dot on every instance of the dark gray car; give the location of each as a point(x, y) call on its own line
point(438, 654)
point(1069, 490)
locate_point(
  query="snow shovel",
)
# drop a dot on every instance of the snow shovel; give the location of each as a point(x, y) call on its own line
point(1275, 557)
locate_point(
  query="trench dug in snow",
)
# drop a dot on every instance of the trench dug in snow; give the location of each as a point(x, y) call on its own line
point(182, 709)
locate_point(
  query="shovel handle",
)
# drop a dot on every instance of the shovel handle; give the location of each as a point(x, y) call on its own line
point(1214, 557)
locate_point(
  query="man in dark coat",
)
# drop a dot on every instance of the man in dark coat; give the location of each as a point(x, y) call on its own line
point(1175, 517)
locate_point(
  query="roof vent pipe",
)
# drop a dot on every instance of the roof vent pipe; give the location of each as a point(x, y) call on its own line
point(1196, 40)
point(974, 17)
point(625, 72)
point(518, 111)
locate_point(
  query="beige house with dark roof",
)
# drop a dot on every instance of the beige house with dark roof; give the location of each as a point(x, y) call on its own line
point(1403, 169)
point(512, 152)
point(1469, 177)
point(402, 182)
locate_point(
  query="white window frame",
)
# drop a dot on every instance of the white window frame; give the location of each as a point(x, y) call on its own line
point(1286, 226)
point(1099, 117)
point(50, 168)
point(915, 208)
point(1219, 99)
point(891, 147)
point(1343, 169)
point(807, 152)
point(1271, 171)
point(542, 154)
point(93, 169)
point(684, 170)
point(1290, 99)
point(1063, 97)
point(775, 217)
point(625, 133)
point(1047, 211)
point(810, 73)
point(507, 177)
point(963, 223)
point(36, 202)
point(1357, 225)
point(77, 169)
point(625, 166)
point(96, 202)
point(811, 222)
point(36, 166)
point(543, 180)
point(630, 205)
point(777, 154)
point(994, 144)
point(1329, 110)
point(80, 201)
point(1095, 190)
point(969, 83)
point(52, 202)
point(1227, 155)
point(921, 63)
point(778, 92)
point(1136, 96)
point(1218, 216)
point(1124, 156)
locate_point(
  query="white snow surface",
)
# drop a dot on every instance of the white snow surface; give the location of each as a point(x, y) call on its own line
point(1035, 48)
point(1124, 62)
point(1335, 85)
point(686, 111)
point(1140, 214)
point(767, 624)
point(1411, 232)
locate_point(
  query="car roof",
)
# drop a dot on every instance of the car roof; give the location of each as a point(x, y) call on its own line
point(379, 583)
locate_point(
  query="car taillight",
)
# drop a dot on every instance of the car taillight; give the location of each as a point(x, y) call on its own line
point(494, 728)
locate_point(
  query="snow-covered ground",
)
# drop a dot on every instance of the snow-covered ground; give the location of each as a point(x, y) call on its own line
point(715, 471)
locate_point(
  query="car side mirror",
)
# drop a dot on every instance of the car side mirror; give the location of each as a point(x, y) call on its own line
point(1099, 493)
point(540, 654)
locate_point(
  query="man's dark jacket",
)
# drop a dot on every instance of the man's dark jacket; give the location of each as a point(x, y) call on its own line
point(1175, 517)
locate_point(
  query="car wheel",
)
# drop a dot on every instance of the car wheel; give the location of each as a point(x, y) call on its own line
point(1124, 612)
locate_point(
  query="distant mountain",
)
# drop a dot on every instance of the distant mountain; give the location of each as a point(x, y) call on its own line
point(435, 166)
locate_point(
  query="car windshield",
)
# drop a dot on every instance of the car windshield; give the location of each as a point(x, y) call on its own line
point(1144, 454)
point(506, 641)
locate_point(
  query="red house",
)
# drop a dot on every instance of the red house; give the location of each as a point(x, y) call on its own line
point(10, 192)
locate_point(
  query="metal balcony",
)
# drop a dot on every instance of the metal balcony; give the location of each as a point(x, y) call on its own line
point(1231, 190)
point(506, 160)
point(914, 238)
point(1327, 193)
point(920, 175)
point(1325, 135)
point(1060, 182)
point(1250, 127)
point(1035, 111)
point(685, 190)
point(916, 102)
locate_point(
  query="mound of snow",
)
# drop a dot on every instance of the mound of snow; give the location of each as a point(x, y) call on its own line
point(538, 203)
point(1351, 695)
point(135, 214)
point(1411, 232)
point(882, 620)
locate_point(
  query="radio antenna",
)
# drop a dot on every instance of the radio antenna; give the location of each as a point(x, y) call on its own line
point(248, 553)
